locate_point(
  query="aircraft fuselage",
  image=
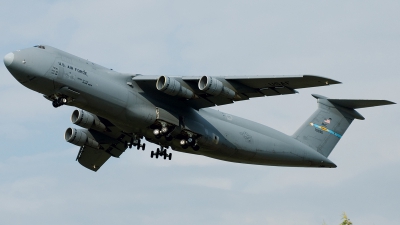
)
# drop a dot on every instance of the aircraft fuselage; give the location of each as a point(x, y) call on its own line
point(119, 99)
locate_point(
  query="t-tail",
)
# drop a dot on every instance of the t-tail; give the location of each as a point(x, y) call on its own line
point(323, 130)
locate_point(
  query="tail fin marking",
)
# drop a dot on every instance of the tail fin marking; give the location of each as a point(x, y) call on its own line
point(323, 128)
point(326, 126)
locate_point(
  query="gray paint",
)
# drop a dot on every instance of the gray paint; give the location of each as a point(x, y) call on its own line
point(131, 105)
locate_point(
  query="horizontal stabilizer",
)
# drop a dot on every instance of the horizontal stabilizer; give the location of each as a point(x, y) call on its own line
point(323, 130)
point(358, 103)
point(355, 103)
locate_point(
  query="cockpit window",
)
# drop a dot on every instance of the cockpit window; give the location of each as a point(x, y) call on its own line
point(39, 46)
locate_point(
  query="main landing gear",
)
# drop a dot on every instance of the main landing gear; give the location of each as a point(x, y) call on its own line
point(190, 141)
point(162, 153)
point(135, 142)
point(164, 131)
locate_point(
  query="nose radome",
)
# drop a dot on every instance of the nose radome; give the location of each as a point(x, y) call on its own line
point(8, 59)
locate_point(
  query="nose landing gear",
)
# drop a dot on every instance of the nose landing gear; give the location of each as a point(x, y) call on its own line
point(59, 102)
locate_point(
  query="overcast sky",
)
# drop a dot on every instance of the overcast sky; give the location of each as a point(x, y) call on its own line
point(355, 42)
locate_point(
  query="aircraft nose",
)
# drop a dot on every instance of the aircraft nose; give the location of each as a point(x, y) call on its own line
point(8, 59)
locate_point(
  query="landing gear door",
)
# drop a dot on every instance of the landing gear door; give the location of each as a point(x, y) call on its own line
point(166, 116)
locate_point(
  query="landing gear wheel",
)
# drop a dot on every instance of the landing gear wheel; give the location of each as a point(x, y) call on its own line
point(132, 143)
point(196, 147)
point(170, 156)
point(143, 146)
point(183, 143)
point(56, 103)
point(190, 141)
point(164, 130)
point(152, 154)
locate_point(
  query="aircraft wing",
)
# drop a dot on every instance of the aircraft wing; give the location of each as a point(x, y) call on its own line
point(92, 158)
point(113, 143)
point(245, 87)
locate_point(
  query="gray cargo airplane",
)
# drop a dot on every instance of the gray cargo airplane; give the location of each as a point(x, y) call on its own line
point(117, 110)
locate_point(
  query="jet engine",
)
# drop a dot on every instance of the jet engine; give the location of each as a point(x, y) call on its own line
point(172, 87)
point(215, 87)
point(80, 138)
point(87, 120)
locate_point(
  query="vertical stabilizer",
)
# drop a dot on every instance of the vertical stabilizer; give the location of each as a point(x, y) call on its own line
point(327, 125)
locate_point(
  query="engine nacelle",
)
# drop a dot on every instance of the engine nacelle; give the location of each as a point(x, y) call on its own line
point(172, 87)
point(87, 120)
point(215, 87)
point(80, 138)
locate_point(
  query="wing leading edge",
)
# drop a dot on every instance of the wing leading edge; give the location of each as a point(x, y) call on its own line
point(234, 88)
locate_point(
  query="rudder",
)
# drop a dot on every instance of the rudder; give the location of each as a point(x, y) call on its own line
point(326, 126)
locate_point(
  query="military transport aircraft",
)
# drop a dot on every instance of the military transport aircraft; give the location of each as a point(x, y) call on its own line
point(117, 110)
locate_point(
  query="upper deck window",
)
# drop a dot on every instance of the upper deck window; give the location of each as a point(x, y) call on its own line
point(39, 46)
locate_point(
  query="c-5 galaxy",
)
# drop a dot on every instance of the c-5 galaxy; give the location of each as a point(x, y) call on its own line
point(117, 110)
